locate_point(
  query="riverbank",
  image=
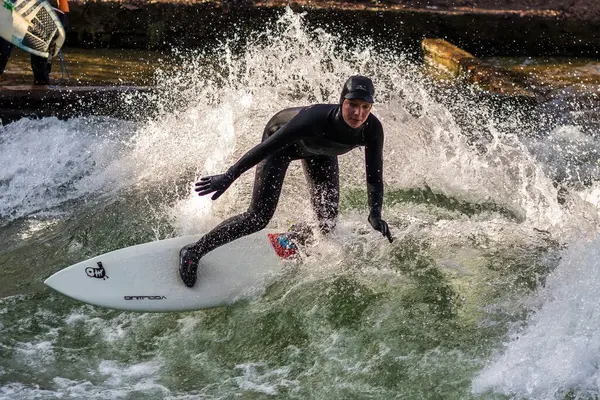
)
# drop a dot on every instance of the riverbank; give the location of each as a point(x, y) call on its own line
point(485, 27)
point(147, 32)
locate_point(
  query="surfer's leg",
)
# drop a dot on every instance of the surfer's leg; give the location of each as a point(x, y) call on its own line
point(267, 188)
point(41, 70)
point(265, 196)
point(323, 178)
point(5, 50)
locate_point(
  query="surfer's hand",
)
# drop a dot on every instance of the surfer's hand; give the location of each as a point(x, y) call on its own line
point(380, 225)
point(215, 183)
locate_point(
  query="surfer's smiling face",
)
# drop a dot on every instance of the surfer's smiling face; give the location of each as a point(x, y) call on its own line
point(355, 112)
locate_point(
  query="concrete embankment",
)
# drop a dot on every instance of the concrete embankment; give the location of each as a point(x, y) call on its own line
point(453, 62)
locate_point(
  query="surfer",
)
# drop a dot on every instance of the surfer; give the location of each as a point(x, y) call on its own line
point(40, 66)
point(316, 135)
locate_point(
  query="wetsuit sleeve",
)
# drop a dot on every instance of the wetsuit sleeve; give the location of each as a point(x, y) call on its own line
point(296, 129)
point(374, 170)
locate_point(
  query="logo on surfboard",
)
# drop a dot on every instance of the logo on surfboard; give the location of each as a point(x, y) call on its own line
point(98, 273)
point(145, 297)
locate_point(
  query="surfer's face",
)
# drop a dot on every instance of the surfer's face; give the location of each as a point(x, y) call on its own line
point(355, 112)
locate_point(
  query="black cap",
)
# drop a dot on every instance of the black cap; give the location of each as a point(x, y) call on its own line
point(358, 87)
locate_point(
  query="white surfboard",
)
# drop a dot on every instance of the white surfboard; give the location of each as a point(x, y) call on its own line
point(146, 277)
point(31, 25)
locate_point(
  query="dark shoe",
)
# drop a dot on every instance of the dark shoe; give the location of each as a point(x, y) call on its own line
point(189, 257)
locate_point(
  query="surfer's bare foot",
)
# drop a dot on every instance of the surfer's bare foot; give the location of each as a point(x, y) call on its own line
point(189, 257)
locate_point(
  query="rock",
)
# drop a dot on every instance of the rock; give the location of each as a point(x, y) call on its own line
point(458, 63)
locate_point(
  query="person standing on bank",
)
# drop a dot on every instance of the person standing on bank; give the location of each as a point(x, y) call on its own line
point(316, 135)
point(40, 66)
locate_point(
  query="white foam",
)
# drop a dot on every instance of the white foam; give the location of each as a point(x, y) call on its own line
point(34, 354)
point(559, 348)
point(46, 162)
point(258, 377)
point(568, 154)
point(19, 391)
point(118, 381)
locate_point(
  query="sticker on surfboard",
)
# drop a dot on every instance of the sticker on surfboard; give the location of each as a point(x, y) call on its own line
point(283, 245)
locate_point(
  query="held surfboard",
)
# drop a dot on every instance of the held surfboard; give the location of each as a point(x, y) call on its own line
point(146, 277)
point(31, 25)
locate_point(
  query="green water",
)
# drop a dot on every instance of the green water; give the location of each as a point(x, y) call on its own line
point(406, 320)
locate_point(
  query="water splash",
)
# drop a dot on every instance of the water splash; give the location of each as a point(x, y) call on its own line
point(45, 163)
point(213, 108)
point(555, 354)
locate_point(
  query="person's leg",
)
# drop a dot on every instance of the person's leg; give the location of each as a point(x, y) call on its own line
point(268, 181)
point(322, 174)
point(41, 70)
point(5, 50)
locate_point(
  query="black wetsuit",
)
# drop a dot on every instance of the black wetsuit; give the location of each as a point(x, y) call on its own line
point(317, 135)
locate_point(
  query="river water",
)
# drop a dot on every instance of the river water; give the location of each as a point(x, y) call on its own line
point(490, 290)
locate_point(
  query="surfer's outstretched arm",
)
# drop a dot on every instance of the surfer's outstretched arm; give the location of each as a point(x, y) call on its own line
point(374, 172)
point(294, 130)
